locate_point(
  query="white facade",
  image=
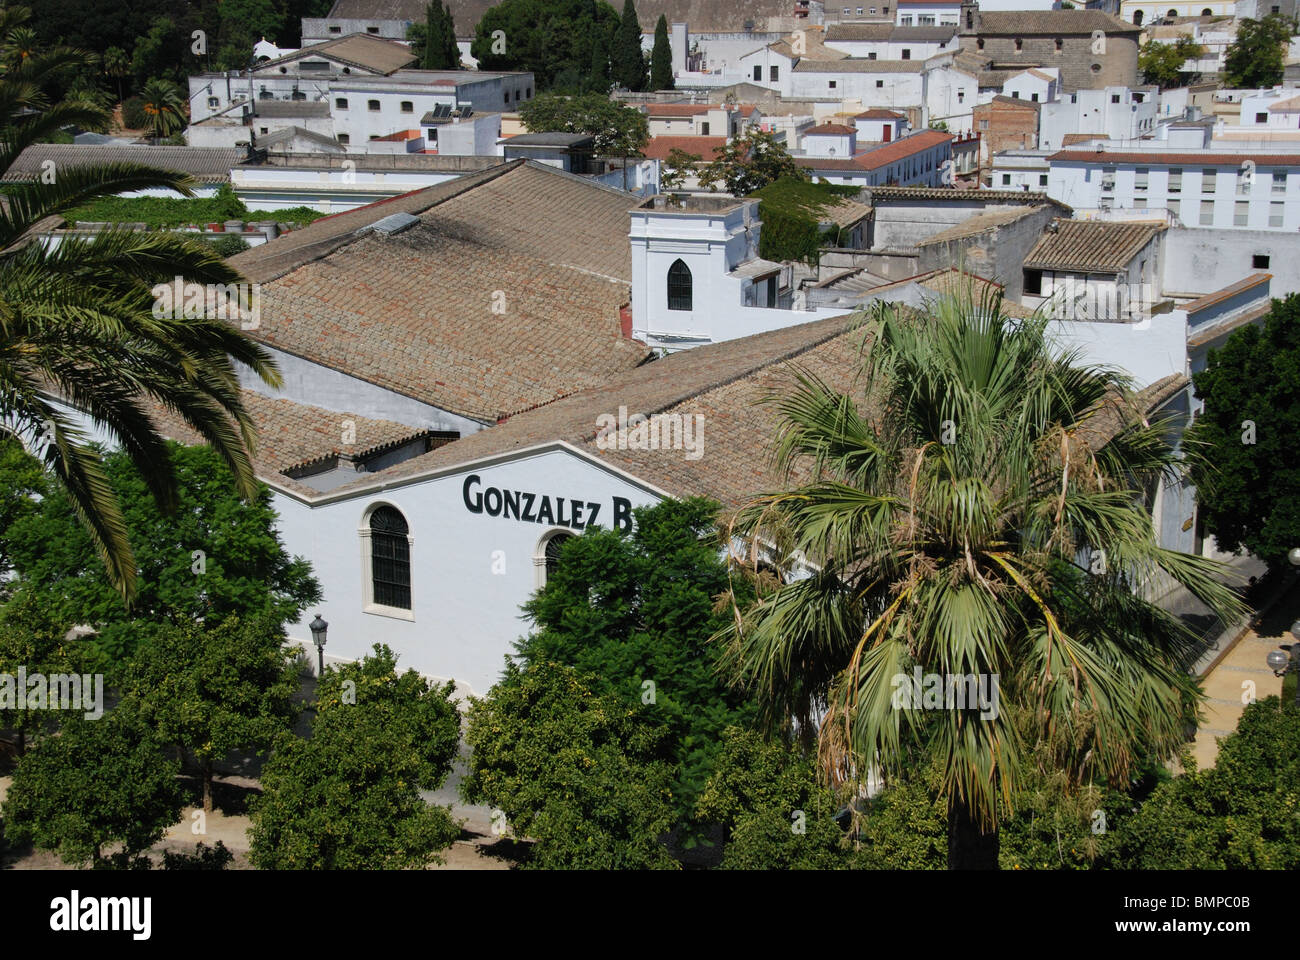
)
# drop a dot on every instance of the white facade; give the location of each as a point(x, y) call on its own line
point(929, 13)
point(732, 292)
point(1224, 189)
point(1276, 109)
point(895, 49)
point(470, 570)
point(1035, 85)
point(1117, 113)
point(824, 142)
point(1021, 170)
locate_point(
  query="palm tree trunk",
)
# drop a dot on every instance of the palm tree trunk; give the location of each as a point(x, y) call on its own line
point(969, 846)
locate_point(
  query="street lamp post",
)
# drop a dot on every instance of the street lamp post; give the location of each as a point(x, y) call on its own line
point(318, 628)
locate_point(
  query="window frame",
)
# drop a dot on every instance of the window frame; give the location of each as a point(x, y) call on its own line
point(670, 282)
point(366, 535)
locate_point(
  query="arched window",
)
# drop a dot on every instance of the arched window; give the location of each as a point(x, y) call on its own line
point(1137, 18)
point(1207, 12)
point(679, 286)
point(390, 559)
point(1171, 14)
point(546, 559)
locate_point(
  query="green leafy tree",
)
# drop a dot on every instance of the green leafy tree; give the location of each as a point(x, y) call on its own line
point(599, 79)
point(31, 639)
point(749, 163)
point(157, 52)
point(434, 41)
point(215, 556)
point(242, 24)
point(587, 776)
point(215, 690)
point(1247, 481)
point(99, 783)
point(679, 167)
point(661, 58)
point(1238, 815)
point(630, 68)
point(636, 611)
point(79, 318)
point(555, 39)
point(164, 108)
point(349, 798)
point(619, 131)
point(1162, 63)
point(775, 813)
point(1257, 57)
point(958, 531)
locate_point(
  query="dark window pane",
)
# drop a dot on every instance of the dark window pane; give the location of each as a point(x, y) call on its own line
point(679, 286)
point(390, 559)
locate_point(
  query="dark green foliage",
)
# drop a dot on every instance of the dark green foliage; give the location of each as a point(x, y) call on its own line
point(792, 211)
point(1243, 444)
point(242, 24)
point(775, 813)
point(639, 608)
point(1162, 63)
point(661, 58)
point(32, 639)
point(242, 568)
point(555, 39)
point(161, 212)
point(434, 41)
point(587, 776)
point(23, 482)
point(229, 245)
point(349, 797)
point(203, 858)
point(749, 163)
point(133, 115)
point(618, 130)
point(1242, 814)
point(630, 68)
point(100, 782)
point(1257, 57)
point(215, 690)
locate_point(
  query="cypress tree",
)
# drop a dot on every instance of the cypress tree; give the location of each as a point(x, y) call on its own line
point(598, 79)
point(661, 58)
point(451, 54)
point(629, 61)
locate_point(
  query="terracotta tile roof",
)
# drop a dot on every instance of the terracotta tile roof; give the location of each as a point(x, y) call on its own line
point(678, 109)
point(879, 113)
point(1032, 105)
point(291, 435)
point(704, 147)
point(1286, 106)
point(1026, 23)
point(948, 193)
point(1070, 138)
point(881, 156)
point(858, 66)
point(292, 108)
point(813, 47)
point(723, 383)
point(1216, 331)
point(1205, 158)
point(858, 31)
point(981, 223)
point(356, 50)
point(830, 129)
point(1218, 296)
point(846, 212)
point(1091, 245)
point(413, 311)
point(205, 164)
point(718, 380)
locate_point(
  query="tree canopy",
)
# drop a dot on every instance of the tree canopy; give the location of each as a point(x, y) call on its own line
point(1257, 57)
point(661, 58)
point(213, 557)
point(1162, 63)
point(618, 130)
point(558, 40)
point(750, 162)
point(1243, 461)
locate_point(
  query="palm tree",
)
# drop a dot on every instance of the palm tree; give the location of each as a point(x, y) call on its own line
point(78, 321)
point(164, 108)
point(982, 512)
point(116, 65)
